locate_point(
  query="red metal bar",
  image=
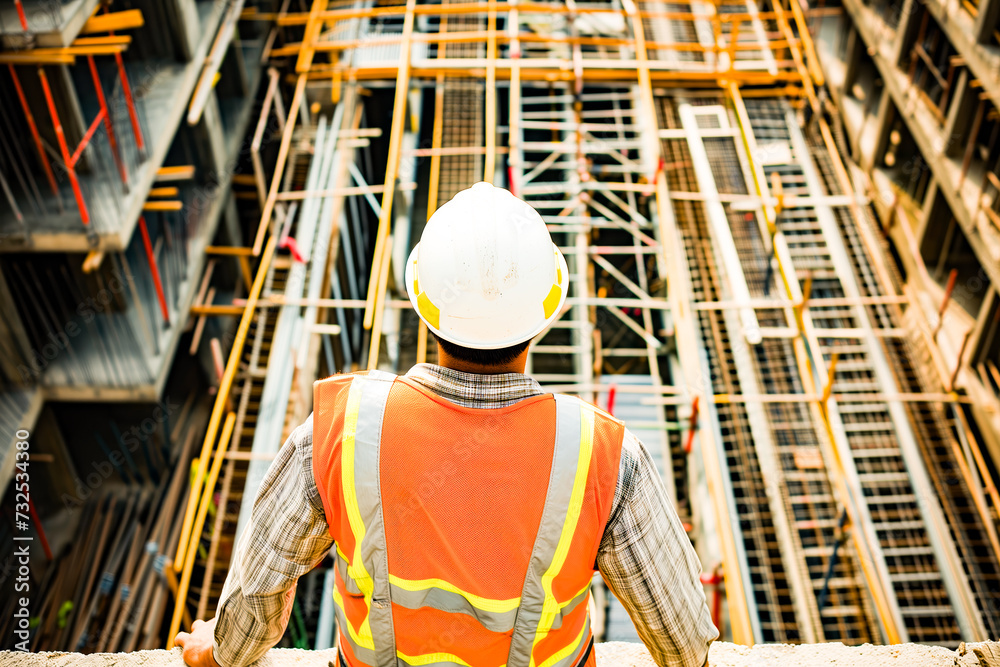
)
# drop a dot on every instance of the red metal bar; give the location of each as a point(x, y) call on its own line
point(87, 137)
point(38, 527)
point(154, 269)
point(958, 361)
point(611, 399)
point(107, 118)
point(24, 25)
point(949, 288)
point(291, 245)
point(34, 131)
point(715, 579)
point(952, 278)
point(692, 426)
point(127, 90)
point(130, 101)
point(81, 204)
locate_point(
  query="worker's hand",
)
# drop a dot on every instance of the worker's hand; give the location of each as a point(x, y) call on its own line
point(198, 644)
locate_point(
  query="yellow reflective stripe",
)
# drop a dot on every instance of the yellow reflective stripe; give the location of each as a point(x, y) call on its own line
point(551, 301)
point(432, 658)
point(355, 566)
point(551, 607)
point(566, 651)
point(485, 604)
point(343, 555)
point(431, 313)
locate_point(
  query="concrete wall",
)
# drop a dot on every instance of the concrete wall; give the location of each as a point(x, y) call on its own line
point(615, 654)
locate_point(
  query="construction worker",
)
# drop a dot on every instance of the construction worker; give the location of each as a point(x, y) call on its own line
point(465, 508)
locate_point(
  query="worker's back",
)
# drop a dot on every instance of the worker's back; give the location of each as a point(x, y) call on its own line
point(463, 535)
point(466, 509)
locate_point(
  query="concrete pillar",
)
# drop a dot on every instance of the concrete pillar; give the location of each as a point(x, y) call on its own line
point(934, 231)
point(234, 72)
point(60, 473)
point(231, 228)
point(906, 32)
point(187, 26)
point(961, 111)
point(985, 326)
point(987, 331)
point(852, 58)
point(13, 334)
point(883, 121)
point(211, 139)
point(987, 21)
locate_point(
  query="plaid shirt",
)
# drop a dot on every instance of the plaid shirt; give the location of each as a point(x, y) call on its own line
point(645, 556)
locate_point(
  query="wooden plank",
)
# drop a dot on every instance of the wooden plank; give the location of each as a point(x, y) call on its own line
point(115, 21)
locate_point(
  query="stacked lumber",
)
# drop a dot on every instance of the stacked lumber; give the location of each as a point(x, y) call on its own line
point(108, 588)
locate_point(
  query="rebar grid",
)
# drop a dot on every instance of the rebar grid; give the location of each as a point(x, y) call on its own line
point(897, 520)
point(769, 583)
point(807, 492)
point(934, 426)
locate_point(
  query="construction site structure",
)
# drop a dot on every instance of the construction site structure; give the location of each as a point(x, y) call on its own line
point(122, 126)
point(749, 293)
point(918, 88)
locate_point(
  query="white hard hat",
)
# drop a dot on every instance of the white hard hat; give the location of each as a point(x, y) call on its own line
point(486, 274)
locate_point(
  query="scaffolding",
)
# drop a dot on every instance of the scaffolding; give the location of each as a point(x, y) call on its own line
point(729, 298)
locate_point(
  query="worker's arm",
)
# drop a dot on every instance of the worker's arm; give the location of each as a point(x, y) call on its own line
point(286, 537)
point(648, 562)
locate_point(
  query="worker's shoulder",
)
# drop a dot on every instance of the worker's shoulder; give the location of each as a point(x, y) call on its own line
point(598, 411)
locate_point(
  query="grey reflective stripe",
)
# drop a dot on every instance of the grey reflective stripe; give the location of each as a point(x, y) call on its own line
point(564, 462)
point(439, 598)
point(374, 394)
point(571, 659)
point(570, 606)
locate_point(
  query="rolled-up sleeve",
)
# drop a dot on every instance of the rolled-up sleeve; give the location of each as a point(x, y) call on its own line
point(648, 562)
point(287, 536)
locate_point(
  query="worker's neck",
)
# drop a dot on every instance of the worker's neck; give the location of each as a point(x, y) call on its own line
point(517, 365)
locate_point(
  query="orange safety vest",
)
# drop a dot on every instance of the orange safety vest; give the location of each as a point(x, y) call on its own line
point(464, 536)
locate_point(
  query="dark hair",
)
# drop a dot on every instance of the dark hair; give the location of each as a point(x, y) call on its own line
point(497, 357)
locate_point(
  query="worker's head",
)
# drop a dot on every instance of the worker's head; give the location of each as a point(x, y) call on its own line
point(485, 276)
